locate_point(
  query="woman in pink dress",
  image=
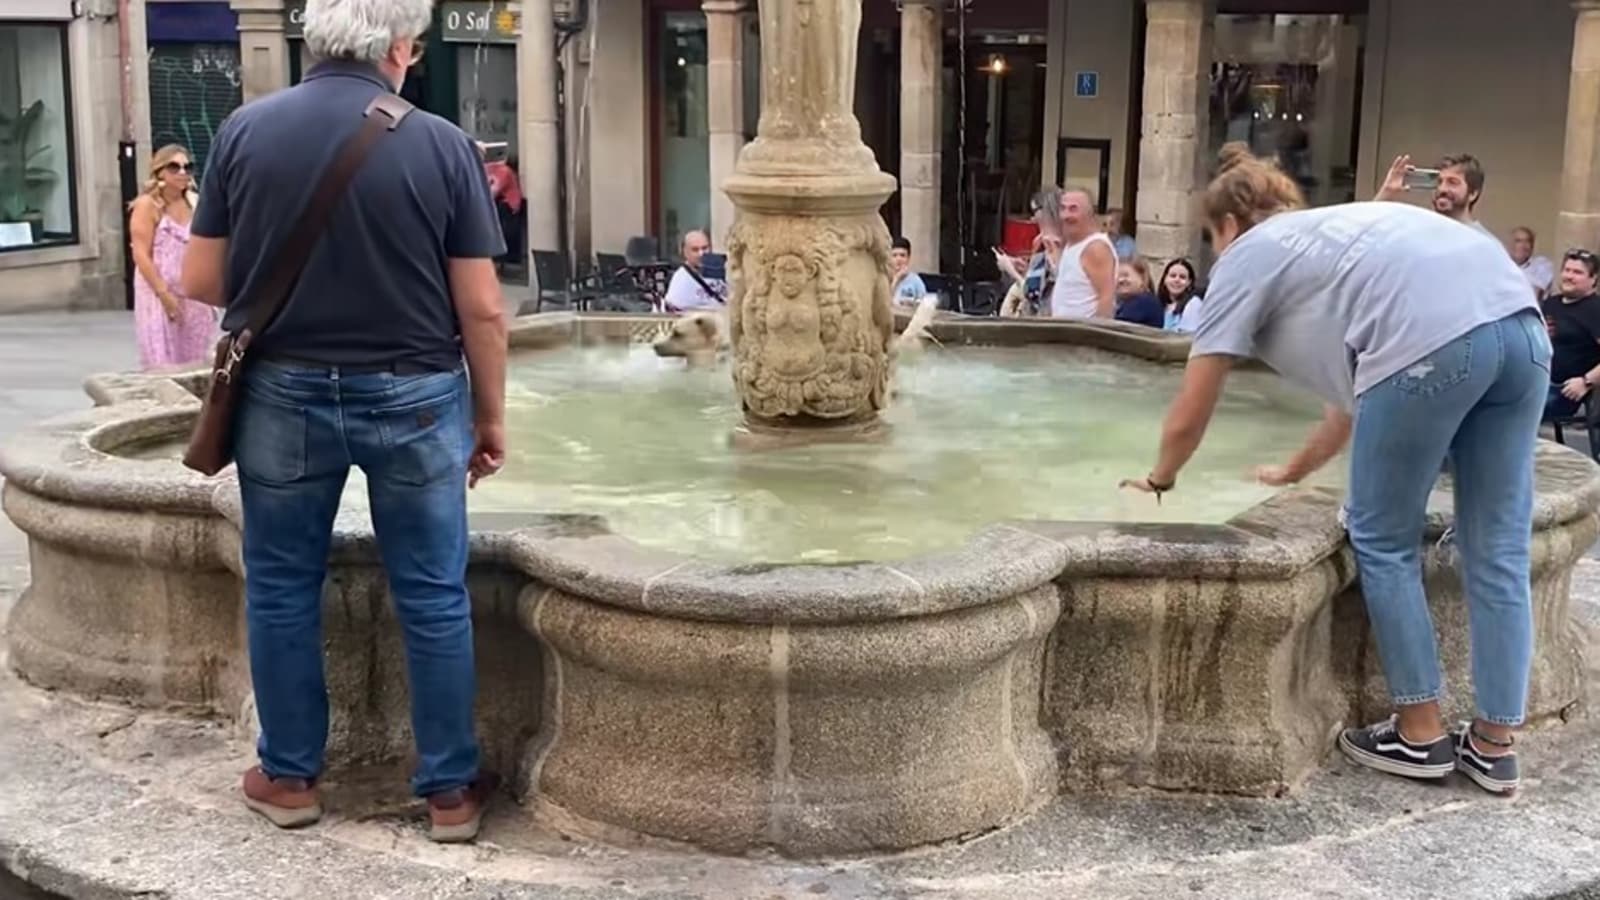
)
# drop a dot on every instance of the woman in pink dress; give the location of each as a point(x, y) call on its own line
point(172, 329)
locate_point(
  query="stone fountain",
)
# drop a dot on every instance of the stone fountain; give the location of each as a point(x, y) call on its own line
point(808, 254)
point(811, 710)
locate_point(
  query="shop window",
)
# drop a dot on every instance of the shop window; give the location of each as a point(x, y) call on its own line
point(37, 206)
point(1289, 86)
point(685, 160)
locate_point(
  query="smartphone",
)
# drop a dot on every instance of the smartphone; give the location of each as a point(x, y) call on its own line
point(1422, 179)
point(496, 151)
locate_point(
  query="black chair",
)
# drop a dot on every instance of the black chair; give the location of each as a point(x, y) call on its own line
point(1587, 418)
point(607, 263)
point(642, 250)
point(553, 283)
point(615, 287)
point(948, 287)
point(982, 298)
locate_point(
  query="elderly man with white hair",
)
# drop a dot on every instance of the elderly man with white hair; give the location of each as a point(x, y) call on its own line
point(388, 353)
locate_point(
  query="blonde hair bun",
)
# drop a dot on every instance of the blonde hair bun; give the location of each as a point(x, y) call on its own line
point(1232, 155)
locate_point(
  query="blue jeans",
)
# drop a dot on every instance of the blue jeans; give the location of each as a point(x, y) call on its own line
point(299, 431)
point(1478, 401)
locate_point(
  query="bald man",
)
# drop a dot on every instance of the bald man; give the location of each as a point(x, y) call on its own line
point(1086, 270)
point(690, 290)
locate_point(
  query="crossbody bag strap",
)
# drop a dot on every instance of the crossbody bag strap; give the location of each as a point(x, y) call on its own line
point(383, 115)
point(705, 285)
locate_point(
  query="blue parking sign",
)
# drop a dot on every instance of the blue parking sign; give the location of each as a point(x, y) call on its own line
point(1088, 84)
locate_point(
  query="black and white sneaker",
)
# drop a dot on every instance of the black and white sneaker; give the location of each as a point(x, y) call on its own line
point(1381, 747)
point(1497, 774)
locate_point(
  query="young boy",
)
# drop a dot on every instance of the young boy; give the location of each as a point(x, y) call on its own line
point(908, 287)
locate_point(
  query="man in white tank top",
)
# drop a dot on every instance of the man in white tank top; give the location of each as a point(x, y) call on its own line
point(1086, 274)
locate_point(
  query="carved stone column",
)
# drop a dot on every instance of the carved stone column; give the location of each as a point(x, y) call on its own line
point(724, 104)
point(808, 255)
point(1578, 223)
point(263, 50)
point(1177, 85)
point(921, 70)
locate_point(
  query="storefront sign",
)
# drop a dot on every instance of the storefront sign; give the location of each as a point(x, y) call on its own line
point(294, 19)
point(480, 22)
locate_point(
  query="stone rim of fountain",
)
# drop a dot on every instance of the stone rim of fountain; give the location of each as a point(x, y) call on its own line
point(874, 705)
point(73, 458)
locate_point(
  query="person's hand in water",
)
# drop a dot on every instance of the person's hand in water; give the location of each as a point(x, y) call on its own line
point(1277, 476)
point(1147, 485)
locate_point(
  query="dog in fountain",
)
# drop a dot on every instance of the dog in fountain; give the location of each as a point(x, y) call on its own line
point(916, 337)
point(700, 339)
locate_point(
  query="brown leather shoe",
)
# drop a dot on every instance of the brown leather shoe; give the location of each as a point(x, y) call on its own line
point(285, 802)
point(454, 816)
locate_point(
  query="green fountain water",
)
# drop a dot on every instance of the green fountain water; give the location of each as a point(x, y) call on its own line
point(979, 435)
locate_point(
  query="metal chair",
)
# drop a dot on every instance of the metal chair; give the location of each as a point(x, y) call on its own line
point(1586, 419)
point(642, 250)
point(553, 282)
point(948, 287)
point(615, 286)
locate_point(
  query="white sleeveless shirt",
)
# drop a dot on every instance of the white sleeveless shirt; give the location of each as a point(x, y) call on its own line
point(1074, 296)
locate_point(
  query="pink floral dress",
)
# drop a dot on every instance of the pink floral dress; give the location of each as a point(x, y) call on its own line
point(162, 341)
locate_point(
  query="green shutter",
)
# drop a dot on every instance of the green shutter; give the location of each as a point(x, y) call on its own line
point(193, 87)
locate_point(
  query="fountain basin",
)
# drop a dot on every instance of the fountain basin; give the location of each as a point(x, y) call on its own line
point(814, 709)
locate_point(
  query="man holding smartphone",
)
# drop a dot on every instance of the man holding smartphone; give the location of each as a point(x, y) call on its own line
point(1457, 186)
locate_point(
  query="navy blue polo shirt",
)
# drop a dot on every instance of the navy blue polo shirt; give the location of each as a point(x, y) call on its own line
point(376, 288)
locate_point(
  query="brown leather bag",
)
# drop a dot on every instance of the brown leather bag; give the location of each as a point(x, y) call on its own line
point(211, 443)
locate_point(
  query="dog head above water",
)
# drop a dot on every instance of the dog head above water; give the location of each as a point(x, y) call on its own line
point(697, 338)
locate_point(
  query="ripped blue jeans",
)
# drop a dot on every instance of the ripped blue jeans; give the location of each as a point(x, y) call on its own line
point(1476, 401)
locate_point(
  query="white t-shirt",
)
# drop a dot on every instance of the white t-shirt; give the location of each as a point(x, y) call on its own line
point(1540, 272)
point(1074, 296)
point(1340, 298)
point(685, 293)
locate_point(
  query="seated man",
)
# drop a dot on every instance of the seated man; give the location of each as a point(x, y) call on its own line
point(689, 289)
point(908, 287)
point(1540, 271)
point(1573, 316)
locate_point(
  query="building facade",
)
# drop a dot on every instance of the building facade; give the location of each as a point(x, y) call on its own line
point(65, 129)
point(624, 115)
point(972, 108)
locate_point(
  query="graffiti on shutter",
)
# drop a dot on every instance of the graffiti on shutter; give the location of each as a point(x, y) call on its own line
point(193, 87)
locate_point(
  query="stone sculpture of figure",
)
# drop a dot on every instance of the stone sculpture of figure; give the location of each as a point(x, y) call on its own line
point(794, 350)
point(807, 89)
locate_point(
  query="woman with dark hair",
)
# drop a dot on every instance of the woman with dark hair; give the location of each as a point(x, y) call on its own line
point(1423, 339)
point(1178, 296)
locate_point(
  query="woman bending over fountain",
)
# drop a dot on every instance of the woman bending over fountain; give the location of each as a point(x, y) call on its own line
point(1416, 330)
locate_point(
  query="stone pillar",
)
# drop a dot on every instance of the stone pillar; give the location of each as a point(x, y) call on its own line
point(808, 256)
point(1177, 86)
point(921, 164)
point(1578, 223)
point(724, 105)
point(540, 132)
point(263, 50)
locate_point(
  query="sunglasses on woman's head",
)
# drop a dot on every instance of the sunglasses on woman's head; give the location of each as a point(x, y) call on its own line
point(173, 168)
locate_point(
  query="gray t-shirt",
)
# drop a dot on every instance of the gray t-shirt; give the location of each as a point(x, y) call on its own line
point(1340, 298)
